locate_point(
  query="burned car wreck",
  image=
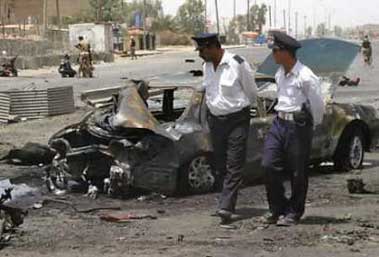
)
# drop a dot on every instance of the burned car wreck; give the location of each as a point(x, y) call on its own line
point(128, 143)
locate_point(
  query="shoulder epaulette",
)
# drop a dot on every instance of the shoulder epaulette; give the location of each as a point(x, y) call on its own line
point(239, 59)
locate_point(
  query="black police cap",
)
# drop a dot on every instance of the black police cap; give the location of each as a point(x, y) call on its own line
point(283, 41)
point(205, 39)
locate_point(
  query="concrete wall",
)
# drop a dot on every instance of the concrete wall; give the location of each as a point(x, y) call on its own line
point(51, 60)
point(98, 35)
point(25, 47)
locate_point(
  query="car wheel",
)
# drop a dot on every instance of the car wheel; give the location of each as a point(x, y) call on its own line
point(351, 151)
point(197, 176)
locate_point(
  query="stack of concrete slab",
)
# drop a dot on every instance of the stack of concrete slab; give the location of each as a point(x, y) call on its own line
point(5, 104)
point(34, 104)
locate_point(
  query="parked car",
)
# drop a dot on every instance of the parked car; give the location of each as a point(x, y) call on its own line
point(157, 139)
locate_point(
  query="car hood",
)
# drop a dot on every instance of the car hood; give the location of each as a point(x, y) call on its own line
point(324, 56)
point(328, 58)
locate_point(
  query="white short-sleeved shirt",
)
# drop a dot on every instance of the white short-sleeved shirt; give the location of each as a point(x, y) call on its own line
point(297, 87)
point(231, 87)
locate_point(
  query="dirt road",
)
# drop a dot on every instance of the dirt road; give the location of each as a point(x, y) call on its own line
point(336, 223)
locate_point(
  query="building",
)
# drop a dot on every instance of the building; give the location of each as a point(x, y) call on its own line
point(99, 35)
point(20, 11)
point(369, 29)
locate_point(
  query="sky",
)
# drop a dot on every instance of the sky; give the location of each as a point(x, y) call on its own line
point(346, 13)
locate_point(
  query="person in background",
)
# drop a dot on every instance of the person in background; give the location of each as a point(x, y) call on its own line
point(367, 50)
point(132, 46)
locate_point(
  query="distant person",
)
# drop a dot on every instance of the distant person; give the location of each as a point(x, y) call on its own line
point(367, 50)
point(85, 58)
point(132, 46)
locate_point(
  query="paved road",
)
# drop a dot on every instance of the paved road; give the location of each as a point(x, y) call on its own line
point(108, 75)
point(113, 74)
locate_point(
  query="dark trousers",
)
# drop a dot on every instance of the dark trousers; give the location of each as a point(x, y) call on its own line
point(286, 153)
point(229, 136)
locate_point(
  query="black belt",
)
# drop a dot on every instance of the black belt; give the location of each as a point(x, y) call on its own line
point(231, 115)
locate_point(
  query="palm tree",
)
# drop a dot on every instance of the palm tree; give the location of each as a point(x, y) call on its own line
point(261, 17)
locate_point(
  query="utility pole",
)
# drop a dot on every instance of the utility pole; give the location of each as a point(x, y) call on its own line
point(305, 27)
point(289, 17)
point(217, 17)
point(296, 24)
point(248, 15)
point(234, 9)
point(206, 16)
point(2, 19)
point(284, 20)
point(270, 15)
point(144, 25)
point(58, 13)
point(44, 18)
point(314, 17)
point(275, 13)
point(330, 22)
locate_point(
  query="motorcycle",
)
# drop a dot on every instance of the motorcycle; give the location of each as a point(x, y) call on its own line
point(9, 69)
point(65, 68)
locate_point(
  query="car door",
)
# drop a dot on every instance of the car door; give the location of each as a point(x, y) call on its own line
point(322, 137)
point(260, 123)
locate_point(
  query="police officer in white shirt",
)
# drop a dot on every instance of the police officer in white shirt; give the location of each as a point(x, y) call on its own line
point(230, 91)
point(288, 144)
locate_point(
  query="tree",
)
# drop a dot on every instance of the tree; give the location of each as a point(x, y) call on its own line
point(236, 26)
point(163, 23)
point(152, 10)
point(321, 30)
point(105, 10)
point(258, 17)
point(190, 17)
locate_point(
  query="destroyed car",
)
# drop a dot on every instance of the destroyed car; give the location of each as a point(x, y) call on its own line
point(127, 143)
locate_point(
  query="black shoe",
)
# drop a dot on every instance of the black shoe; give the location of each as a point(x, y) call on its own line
point(226, 216)
point(287, 221)
point(270, 219)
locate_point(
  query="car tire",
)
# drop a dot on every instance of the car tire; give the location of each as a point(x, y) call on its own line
point(196, 176)
point(350, 151)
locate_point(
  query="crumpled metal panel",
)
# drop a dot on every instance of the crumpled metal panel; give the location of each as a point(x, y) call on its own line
point(133, 113)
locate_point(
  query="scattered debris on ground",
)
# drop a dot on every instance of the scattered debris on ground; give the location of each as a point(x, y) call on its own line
point(121, 217)
point(10, 217)
point(31, 154)
point(356, 186)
